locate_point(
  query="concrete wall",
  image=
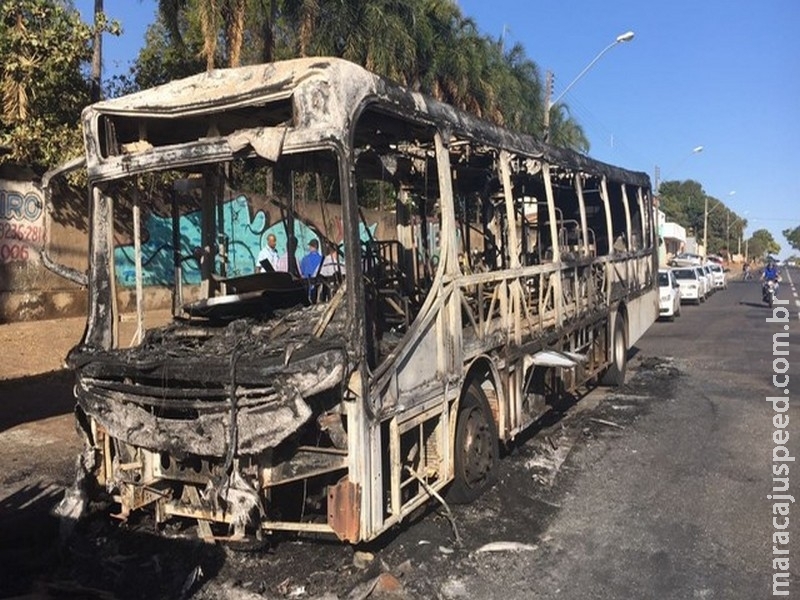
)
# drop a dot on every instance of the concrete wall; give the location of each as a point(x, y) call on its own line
point(29, 291)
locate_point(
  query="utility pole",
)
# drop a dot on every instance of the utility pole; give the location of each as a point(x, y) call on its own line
point(705, 228)
point(728, 231)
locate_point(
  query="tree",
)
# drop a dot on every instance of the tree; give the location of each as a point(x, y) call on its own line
point(427, 45)
point(793, 237)
point(762, 243)
point(683, 202)
point(43, 47)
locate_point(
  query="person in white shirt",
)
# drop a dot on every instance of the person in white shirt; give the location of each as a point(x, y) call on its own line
point(332, 263)
point(269, 253)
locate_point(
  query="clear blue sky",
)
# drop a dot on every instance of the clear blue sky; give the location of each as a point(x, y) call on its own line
point(722, 74)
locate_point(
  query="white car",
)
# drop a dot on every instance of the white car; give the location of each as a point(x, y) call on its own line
point(709, 272)
point(705, 283)
point(691, 285)
point(719, 276)
point(669, 295)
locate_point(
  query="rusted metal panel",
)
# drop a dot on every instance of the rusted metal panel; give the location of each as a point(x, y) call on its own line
point(344, 510)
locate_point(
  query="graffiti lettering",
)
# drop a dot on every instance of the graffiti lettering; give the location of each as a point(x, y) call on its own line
point(21, 231)
point(9, 252)
point(21, 222)
point(14, 205)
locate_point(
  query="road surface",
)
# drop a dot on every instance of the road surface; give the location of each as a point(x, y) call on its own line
point(655, 490)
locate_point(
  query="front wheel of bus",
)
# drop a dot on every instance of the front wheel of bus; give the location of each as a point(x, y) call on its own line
point(476, 447)
point(615, 375)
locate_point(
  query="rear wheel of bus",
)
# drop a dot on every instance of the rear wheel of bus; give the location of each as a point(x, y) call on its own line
point(615, 374)
point(476, 447)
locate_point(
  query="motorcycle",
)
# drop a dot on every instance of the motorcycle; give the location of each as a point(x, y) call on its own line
point(768, 291)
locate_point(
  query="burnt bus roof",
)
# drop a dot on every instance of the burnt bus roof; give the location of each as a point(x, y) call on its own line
point(328, 92)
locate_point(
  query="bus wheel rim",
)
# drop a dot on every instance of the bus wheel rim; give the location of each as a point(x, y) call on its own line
point(478, 455)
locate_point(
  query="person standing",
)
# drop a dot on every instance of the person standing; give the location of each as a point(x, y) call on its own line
point(309, 266)
point(269, 253)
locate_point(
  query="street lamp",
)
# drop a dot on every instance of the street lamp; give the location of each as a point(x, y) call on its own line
point(695, 150)
point(624, 37)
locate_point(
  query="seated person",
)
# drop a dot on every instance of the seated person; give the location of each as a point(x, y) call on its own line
point(620, 244)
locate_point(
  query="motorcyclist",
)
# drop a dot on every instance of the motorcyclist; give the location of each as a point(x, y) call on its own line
point(771, 273)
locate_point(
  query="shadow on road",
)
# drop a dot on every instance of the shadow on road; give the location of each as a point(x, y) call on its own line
point(754, 304)
point(102, 559)
point(28, 532)
point(36, 397)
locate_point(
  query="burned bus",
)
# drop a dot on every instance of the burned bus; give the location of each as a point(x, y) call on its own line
point(481, 273)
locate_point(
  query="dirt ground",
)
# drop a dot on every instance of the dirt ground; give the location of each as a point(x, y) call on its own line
point(38, 441)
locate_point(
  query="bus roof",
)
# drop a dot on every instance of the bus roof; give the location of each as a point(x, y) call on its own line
point(348, 87)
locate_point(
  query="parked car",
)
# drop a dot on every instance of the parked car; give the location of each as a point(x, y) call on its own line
point(705, 283)
point(687, 259)
point(709, 272)
point(691, 286)
point(669, 295)
point(719, 276)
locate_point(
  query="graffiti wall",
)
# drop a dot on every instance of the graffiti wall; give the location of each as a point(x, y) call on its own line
point(21, 221)
point(245, 231)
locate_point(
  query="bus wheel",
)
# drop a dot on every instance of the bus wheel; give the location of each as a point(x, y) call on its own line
point(476, 447)
point(615, 375)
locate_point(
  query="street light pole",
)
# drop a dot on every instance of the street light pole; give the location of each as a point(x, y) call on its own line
point(695, 150)
point(705, 229)
point(548, 105)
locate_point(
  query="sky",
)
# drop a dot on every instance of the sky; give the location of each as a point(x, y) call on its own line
point(721, 74)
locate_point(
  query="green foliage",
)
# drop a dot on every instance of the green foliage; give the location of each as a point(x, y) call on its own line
point(685, 202)
point(762, 243)
point(793, 237)
point(43, 46)
point(427, 45)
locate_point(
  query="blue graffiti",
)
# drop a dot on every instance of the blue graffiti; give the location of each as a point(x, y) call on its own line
point(14, 205)
point(245, 238)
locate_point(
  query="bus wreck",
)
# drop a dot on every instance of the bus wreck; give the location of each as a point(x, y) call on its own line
point(498, 273)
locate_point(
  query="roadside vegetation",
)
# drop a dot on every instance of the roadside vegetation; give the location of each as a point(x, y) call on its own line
point(50, 68)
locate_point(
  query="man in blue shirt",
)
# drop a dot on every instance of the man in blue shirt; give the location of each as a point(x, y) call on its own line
point(771, 273)
point(309, 266)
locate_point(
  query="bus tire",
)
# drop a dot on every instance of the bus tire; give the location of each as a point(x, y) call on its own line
point(615, 374)
point(476, 447)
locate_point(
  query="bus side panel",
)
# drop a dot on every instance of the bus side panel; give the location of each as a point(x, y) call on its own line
point(642, 313)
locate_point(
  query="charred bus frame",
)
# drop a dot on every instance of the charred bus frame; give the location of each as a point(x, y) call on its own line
point(506, 272)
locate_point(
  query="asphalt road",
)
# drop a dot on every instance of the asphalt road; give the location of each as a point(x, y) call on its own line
point(655, 490)
point(675, 505)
